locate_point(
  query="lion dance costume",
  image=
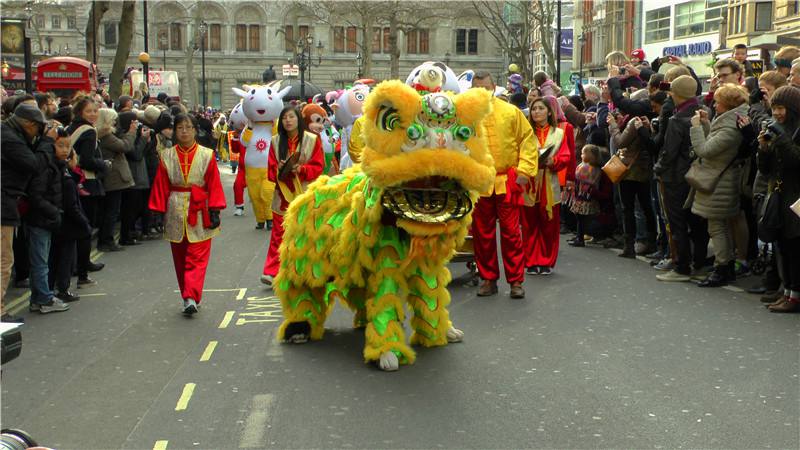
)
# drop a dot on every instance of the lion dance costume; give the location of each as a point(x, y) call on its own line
point(381, 238)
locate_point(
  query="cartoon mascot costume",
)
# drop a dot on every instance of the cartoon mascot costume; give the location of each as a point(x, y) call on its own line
point(380, 237)
point(261, 105)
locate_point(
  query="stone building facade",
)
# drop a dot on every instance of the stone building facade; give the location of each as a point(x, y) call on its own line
point(246, 37)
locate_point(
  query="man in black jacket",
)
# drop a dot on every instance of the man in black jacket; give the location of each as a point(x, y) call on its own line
point(17, 167)
point(43, 219)
point(671, 167)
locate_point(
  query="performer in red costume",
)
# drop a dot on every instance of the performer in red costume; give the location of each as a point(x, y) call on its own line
point(510, 140)
point(541, 218)
point(188, 191)
point(240, 183)
point(302, 151)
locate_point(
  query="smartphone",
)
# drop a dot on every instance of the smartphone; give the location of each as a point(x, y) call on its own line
point(663, 86)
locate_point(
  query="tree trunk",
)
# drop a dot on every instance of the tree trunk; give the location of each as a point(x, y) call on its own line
point(92, 28)
point(126, 26)
point(394, 49)
point(366, 44)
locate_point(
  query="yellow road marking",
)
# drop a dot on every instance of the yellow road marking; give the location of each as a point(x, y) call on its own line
point(227, 319)
point(183, 402)
point(209, 350)
point(161, 445)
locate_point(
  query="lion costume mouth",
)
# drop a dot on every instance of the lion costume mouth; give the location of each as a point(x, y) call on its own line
point(433, 199)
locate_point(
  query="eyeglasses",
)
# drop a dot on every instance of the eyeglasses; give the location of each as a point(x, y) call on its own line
point(190, 128)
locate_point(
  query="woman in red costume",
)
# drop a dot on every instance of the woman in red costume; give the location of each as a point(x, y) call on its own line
point(295, 160)
point(188, 191)
point(541, 213)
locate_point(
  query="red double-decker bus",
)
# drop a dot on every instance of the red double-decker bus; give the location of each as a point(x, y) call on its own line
point(64, 75)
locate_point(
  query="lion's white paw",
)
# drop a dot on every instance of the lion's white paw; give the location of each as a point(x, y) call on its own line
point(389, 362)
point(454, 335)
point(298, 339)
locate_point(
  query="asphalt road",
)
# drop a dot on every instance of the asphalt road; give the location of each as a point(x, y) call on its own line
point(599, 355)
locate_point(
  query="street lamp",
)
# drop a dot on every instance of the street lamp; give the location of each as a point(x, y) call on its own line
point(581, 39)
point(304, 60)
point(144, 58)
point(203, 30)
point(360, 61)
point(163, 41)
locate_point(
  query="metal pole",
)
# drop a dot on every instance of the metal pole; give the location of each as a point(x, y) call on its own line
point(203, 62)
point(558, 45)
point(165, 57)
point(28, 64)
point(144, 10)
point(94, 34)
point(302, 76)
point(580, 67)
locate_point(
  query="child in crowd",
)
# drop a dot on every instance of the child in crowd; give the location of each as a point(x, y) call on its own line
point(584, 203)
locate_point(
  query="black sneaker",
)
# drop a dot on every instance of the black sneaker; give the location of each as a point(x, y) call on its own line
point(55, 305)
point(68, 296)
point(545, 271)
point(533, 270)
point(8, 318)
point(86, 282)
point(95, 267)
point(189, 307)
point(269, 224)
point(129, 242)
point(110, 247)
point(259, 225)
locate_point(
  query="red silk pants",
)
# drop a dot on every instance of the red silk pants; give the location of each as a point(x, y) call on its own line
point(191, 262)
point(488, 211)
point(540, 235)
point(239, 185)
point(273, 261)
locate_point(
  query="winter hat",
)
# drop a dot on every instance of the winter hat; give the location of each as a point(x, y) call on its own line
point(164, 121)
point(638, 53)
point(30, 112)
point(162, 97)
point(125, 119)
point(150, 115)
point(684, 87)
point(121, 101)
point(641, 94)
point(786, 96)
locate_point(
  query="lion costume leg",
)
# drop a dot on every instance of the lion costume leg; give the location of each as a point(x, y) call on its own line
point(428, 298)
point(304, 312)
point(385, 338)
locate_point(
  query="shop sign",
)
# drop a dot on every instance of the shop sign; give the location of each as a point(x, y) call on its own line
point(698, 48)
point(758, 66)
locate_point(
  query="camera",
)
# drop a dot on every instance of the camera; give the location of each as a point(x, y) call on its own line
point(13, 439)
point(664, 86)
point(655, 124)
point(622, 71)
point(756, 96)
point(771, 129)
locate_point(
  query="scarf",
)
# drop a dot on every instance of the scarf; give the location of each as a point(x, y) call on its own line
point(587, 180)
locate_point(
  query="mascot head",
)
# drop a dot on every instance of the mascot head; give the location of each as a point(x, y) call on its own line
point(237, 120)
point(314, 117)
point(262, 103)
point(347, 104)
point(428, 154)
point(432, 74)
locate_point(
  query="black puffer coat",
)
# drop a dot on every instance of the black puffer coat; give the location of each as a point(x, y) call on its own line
point(44, 192)
point(18, 164)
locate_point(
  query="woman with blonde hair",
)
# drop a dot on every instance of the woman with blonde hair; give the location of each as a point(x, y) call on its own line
point(619, 66)
point(716, 145)
point(114, 146)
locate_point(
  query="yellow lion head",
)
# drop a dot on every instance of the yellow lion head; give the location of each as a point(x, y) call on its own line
point(427, 153)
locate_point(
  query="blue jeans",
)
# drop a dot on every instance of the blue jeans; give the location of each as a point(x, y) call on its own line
point(39, 253)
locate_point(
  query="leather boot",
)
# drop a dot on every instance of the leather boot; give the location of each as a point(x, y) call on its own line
point(718, 277)
point(650, 245)
point(788, 306)
point(517, 291)
point(487, 288)
point(628, 250)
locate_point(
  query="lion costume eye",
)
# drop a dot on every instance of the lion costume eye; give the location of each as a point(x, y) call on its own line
point(360, 96)
point(415, 131)
point(388, 118)
point(462, 132)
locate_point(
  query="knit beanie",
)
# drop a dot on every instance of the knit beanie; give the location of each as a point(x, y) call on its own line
point(684, 87)
point(788, 97)
point(164, 121)
point(125, 119)
point(151, 115)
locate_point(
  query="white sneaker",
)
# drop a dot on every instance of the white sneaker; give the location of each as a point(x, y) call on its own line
point(267, 279)
point(55, 305)
point(190, 307)
point(239, 211)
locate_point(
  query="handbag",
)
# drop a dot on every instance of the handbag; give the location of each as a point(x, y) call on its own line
point(702, 179)
point(615, 169)
point(796, 207)
point(770, 224)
